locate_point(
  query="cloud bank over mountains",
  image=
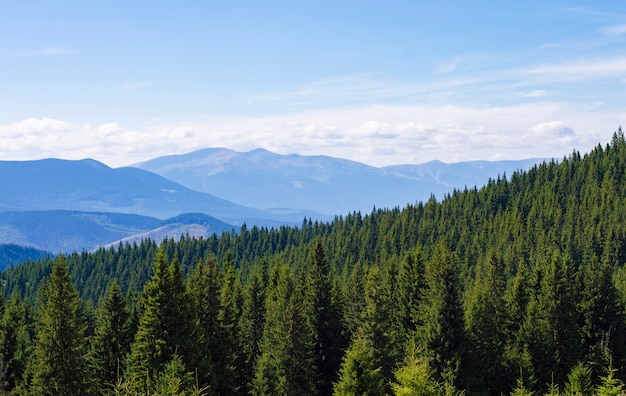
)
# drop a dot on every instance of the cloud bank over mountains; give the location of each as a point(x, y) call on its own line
point(378, 135)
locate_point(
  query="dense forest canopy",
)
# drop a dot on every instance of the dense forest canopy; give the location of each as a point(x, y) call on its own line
point(513, 288)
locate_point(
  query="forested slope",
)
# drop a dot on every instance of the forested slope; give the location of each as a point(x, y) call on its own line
point(516, 287)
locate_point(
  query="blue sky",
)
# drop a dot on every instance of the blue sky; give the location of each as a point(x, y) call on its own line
point(378, 82)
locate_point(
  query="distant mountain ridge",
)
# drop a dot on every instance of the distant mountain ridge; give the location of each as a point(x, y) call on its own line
point(90, 186)
point(265, 180)
point(56, 205)
point(61, 231)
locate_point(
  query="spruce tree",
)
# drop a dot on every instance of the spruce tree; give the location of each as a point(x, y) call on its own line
point(284, 361)
point(360, 375)
point(230, 358)
point(485, 327)
point(441, 333)
point(17, 333)
point(558, 317)
point(321, 319)
point(111, 341)
point(60, 367)
point(164, 326)
point(253, 317)
point(204, 292)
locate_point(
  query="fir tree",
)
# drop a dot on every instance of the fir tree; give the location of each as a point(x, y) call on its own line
point(204, 291)
point(164, 325)
point(442, 335)
point(17, 332)
point(60, 367)
point(359, 374)
point(111, 341)
point(321, 319)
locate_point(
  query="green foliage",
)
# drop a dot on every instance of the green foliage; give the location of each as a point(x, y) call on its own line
point(164, 327)
point(415, 376)
point(579, 381)
point(610, 386)
point(111, 340)
point(442, 332)
point(523, 278)
point(59, 367)
point(17, 332)
point(359, 374)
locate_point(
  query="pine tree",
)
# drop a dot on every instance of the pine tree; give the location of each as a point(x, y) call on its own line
point(204, 291)
point(111, 341)
point(285, 360)
point(485, 328)
point(321, 319)
point(610, 386)
point(253, 317)
point(579, 381)
point(411, 288)
point(558, 317)
point(60, 367)
point(415, 376)
point(230, 358)
point(442, 335)
point(164, 327)
point(17, 332)
point(360, 375)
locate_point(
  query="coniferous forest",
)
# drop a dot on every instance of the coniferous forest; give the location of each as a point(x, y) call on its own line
point(516, 288)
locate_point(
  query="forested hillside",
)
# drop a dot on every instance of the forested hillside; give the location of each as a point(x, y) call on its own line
point(515, 288)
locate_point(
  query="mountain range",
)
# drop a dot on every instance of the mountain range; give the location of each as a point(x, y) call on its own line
point(322, 184)
point(59, 205)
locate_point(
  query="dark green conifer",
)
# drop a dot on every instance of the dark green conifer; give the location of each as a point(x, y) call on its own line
point(60, 367)
point(360, 375)
point(164, 327)
point(321, 320)
point(442, 335)
point(111, 341)
point(17, 332)
point(204, 291)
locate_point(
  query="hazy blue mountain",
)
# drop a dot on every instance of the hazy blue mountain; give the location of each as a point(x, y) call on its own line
point(265, 180)
point(11, 254)
point(68, 231)
point(88, 185)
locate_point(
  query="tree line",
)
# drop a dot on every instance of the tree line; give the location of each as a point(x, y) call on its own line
point(518, 287)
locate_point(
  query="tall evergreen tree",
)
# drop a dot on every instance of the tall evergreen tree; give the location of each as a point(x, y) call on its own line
point(321, 319)
point(411, 288)
point(558, 316)
point(284, 361)
point(253, 317)
point(17, 332)
point(442, 334)
point(164, 327)
point(204, 291)
point(485, 327)
point(111, 341)
point(60, 367)
point(231, 361)
point(360, 375)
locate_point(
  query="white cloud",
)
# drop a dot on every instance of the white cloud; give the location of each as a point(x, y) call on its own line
point(129, 86)
point(552, 129)
point(377, 135)
point(580, 70)
point(615, 30)
point(538, 93)
point(50, 51)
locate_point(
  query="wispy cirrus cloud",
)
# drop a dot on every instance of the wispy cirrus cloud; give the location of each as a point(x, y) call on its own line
point(615, 30)
point(49, 51)
point(538, 93)
point(131, 86)
point(378, 135)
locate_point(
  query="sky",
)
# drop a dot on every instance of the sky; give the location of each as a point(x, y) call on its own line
point(383, 83)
